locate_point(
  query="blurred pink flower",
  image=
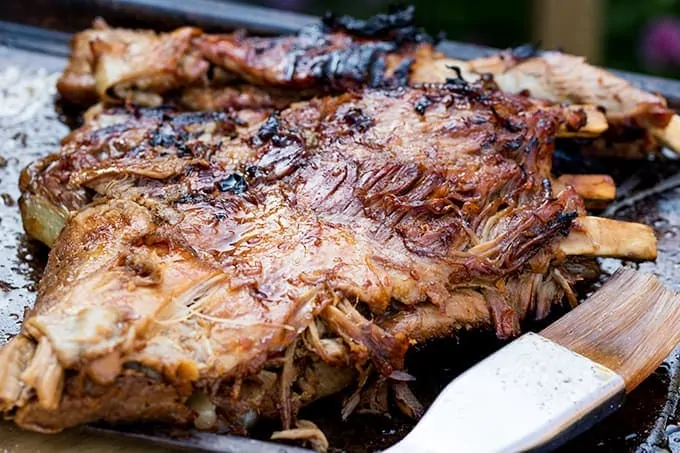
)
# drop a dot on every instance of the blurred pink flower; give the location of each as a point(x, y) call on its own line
point(660, 45)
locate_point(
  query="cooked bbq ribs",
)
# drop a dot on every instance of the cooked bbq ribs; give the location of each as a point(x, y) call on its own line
point(199, 71)
point(217, 267)
point(244, 225)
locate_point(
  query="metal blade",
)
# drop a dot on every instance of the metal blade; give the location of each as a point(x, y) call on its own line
point(197, 441)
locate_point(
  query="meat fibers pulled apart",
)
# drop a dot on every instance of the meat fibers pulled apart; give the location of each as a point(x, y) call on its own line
point(216, 267)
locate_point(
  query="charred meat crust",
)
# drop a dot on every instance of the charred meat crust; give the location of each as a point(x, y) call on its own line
point(185, 65)
point(248, 256)
point(397, 25)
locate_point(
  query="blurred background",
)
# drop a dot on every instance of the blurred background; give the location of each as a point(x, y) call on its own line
point(637, 35)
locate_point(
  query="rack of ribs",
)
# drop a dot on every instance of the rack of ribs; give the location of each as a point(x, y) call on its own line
point(200, 71)
point(216, 267)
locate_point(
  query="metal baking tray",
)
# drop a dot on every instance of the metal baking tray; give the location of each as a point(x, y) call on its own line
point(33, 50)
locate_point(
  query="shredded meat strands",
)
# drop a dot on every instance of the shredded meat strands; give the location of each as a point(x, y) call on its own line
point(216, 267)
point(216, 241)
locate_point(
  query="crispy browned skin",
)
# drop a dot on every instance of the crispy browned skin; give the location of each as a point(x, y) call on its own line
point(150, 68)
point(261, 262)
point(198, 71)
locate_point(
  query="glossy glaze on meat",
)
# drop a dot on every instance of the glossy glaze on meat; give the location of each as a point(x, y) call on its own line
point(250, 262)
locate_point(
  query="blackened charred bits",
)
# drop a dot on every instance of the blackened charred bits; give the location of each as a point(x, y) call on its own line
point(459, 75)
point(398, 24)
point(164, 136)
point(376, 26)
point(401, 74)
point(358, 64)
point(183, 150)
point(513, 145)
point(234, 183)
point(459, 84)
point(357, 119)
point(271, 131)
point(268, 130)
point(253, 171)
point(562, 222)
point(422, 104)
point(376, 67)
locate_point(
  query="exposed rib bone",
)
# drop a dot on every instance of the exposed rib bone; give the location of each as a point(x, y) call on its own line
point(596, 236)
point(596, 123)
point(590, 187)
point(669, 135)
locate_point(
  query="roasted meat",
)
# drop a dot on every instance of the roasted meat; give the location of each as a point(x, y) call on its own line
point(199, 71)
point(218, 267)
point(111, 65)
point(107, 62)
